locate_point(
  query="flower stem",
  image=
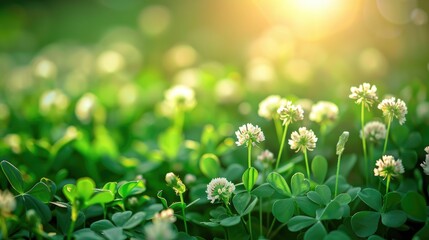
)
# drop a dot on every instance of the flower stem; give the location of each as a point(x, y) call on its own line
point(249, 154)
point(183, 212)
point(3, 227)
point(250, 226)
point(388, 183)
point(362, 121)
point(387, 135)
point(71, 229)
point(260, 217)
point(179, 120)
point(306, 163)
point(338, 173)
point(278, 126)
point(281, 146)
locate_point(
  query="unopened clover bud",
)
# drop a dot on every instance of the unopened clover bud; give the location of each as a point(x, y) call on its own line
point(175, 182)
point(33, 219)
point(341, 142)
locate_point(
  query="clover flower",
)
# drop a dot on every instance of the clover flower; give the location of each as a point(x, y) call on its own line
point(166, 215)
point(175, 182)
point(303, 140)
point(392, 108)
point(159, 231)
point(425, 164)
point(220, 189)
point(365, 94)
point(180, 96)
point(388, 166)
point(290, 113)
point(323, 111)
point(249, 133)
point(53, 102)
point(7, 203)
point(266, 158)
point(268, 107)
point(374, 131)
point(85, 107)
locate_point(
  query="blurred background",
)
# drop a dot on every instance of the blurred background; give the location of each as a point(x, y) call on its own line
point(102, 66)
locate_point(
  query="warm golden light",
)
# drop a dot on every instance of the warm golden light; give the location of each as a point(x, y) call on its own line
point(315, 6)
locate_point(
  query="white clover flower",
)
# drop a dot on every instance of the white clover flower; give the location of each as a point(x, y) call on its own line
point(249, 133)
point(374, 131)
point(166, 215)
point(290, 113)
point(425, 164)
point(387, 165)
point(7, 203)
point(85, 107)
point(303, 140)
point(266, 158)
point(53, 102)
point(220, 189)
point(159, 231)
point(324, 111)
point(268, 107)
point(181, 97)
point(392, 108)
point(365, 94)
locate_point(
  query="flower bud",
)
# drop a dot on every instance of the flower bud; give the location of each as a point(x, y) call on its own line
point(341, 142)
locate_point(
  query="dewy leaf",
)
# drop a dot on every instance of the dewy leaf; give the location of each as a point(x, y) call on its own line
point(414, 206)
point(249, 178)
point(240, 202)
point(317, 231)
point(394, 218)
point(300, 222)
point(319, 168)
point(209, 165)
point(365, 223)
point(299, 184)
point(41, 191)
point(283, 209)
point(13, 175)
point(279, 183)
point(371, 197)
point(85, 188)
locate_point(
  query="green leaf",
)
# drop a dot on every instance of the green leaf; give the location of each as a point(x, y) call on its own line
point(135, 220)
point(409, 159)
point(163, 200)
point(100, 197)
point(324, 193)
point(85, 188)
point(315, 197)
point(299, 184)
point(347, 164)
point(263, 191)
point(51, 185)
point(41, 191)
point(249, 178)
point(353, 192)
point(86, 233)
point(70, 192)
point(414, 206)
point(210, 165)
point(13, 175)
point(319, 168)
point(278, 183)
point(365, 223)
point(111, 186)
point(120, 218)
point(101, 225)
point(391, 199)
point(30, 202)
point(337, 235)
point(300, 222)
point(307, 206)
point(251, 205)
point(169, 142)
point(332, 211)
point(283, 209)
point(116, 233)
point(371, 197)
point(423, 232)
point(317, 231)
point(343, 199)
point(233, 172)
point(394, 218)
point(240, 202)
point(230, 221)
point(131, 188)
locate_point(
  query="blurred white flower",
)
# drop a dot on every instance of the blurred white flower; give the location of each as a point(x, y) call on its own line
point(53, 102)
point(365, 94)
point(303, 140)
point(324, 112)
point(268, 107)
point(266, 158)
point(7, 203)
point(159, 231)
point(166, 215)
point(110, 61)
point(85, 107)
point(374, 131)
point(249, 134)
point(220, 189)
point(392, 108)
point(13, 141)
point(425, 164)
point(180, 97)
point(290, 113)
point(387, 165)
point(44, 68)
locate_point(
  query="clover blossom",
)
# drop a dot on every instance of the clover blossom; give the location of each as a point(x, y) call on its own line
point(290, 113)
point(175, 182)
point(266, 158)
point(392, 108)
point(324, 111)
point(220, 189)
point(388, 166)
point(249, 134)
point(180, 96)
point(7, 203)
point(303, 140)
point(166, 215)
point(374, 131)
point(425, 164)
point(364, 94)
point(268, 107)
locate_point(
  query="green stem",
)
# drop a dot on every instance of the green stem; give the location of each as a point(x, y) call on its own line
point(179, 120)
point(227, 208)
point(338, 173)
point(250, 226)
point(183, 212)
point(387, 135)
point(271, 227)
point(388, 183)
point(306, 163)
point(279, 156)
point(249, 154)
point(71, 229)
point(362, 121)
point(260, 217)
point(278, 126)
point(277, 230)
point(3, 227)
